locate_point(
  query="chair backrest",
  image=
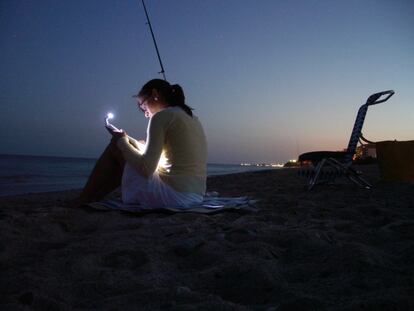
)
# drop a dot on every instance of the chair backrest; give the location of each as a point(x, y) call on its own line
point(359, 122)
point(356, 133)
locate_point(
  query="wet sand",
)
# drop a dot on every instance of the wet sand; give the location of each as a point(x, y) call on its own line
point(337, 247)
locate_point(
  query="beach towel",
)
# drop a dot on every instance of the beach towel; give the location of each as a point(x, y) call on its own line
point(211, 204)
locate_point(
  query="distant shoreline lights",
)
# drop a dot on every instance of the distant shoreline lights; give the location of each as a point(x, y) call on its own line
point(262, 164)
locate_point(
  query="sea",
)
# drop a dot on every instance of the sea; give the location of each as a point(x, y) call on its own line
point(21, 174)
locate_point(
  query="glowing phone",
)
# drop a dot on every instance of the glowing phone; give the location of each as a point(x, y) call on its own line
point(109, 125)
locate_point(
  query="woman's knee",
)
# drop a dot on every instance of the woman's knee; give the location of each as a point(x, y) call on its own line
point(116, 153)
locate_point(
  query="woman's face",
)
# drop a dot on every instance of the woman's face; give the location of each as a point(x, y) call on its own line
point(150, 105)
point(145, 105)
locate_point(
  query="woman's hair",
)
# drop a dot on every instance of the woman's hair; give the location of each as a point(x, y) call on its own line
point(172, 94)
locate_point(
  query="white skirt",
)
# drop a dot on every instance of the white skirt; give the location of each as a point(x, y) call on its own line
point(153, 192)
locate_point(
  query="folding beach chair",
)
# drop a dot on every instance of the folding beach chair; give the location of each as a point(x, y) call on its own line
point(340, 161)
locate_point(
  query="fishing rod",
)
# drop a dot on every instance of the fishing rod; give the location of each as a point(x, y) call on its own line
point(155, 42)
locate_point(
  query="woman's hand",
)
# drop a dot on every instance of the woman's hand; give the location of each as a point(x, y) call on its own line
point(117, 136)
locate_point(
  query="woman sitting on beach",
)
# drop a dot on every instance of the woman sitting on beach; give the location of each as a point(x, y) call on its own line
point(174, 135)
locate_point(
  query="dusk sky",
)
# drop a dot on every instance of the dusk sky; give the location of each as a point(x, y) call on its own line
point(268, 79)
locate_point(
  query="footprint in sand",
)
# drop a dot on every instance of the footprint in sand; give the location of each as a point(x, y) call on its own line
point(125, 259)
point(404, 228)
point(91, 265)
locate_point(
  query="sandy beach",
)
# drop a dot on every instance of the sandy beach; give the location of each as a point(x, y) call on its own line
point(337, 247)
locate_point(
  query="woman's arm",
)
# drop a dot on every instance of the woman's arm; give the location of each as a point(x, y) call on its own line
point(138, 144)
point(147, 162)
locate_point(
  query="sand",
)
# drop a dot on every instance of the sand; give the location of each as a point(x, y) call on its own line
point(337, 247)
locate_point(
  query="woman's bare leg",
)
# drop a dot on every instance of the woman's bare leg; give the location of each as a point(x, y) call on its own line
point(106, 175)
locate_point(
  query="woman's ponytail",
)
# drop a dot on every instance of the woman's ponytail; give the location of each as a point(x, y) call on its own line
point(178, 99)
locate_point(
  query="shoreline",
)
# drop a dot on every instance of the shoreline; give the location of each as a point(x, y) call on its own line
point(79, 189)
point(337, 247)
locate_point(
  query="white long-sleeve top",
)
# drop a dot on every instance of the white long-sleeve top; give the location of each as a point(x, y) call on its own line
point(181, 140)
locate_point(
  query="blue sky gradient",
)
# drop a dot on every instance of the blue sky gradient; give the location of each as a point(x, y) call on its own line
point(268, 79)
